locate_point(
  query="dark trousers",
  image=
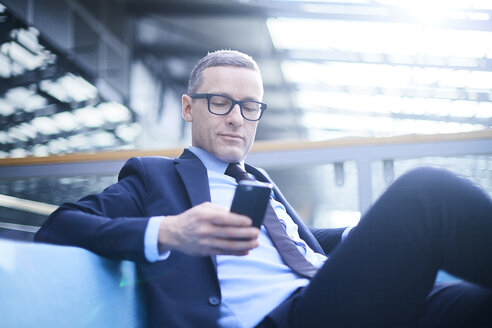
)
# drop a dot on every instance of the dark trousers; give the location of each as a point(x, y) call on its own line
point(383, 274)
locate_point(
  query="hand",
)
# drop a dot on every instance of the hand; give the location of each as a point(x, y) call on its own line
point(208, 229)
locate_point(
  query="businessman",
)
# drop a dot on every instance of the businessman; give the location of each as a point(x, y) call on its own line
point(204, 266)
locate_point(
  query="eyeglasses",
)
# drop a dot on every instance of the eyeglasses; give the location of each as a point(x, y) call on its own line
point(223, 105)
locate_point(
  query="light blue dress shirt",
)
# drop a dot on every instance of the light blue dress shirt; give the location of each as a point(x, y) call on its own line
point(260, 275)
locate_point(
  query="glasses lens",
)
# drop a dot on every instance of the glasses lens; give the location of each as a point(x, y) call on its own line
point(251, 110)
point(219, 105)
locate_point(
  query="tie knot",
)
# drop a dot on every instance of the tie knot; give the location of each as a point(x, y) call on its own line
point(236, 171)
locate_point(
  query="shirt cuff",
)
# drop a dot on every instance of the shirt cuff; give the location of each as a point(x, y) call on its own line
point(346, 232)
point(151, 238)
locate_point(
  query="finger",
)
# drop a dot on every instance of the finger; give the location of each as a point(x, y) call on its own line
point(240, 233)
point(232, 247)
point(219, 215)
point(232, 219)
point(231, 253)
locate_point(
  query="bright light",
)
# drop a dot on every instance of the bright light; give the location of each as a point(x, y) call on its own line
point(77, 87)
point(55, 90)
point(89, 116)
point(40, 150)
point(79, 141)
point(4, 66)
point(45, 125)
point(102, 139)
point(59, 145)
point(114, 112)
point(28, 38)
point(69, 88)
point(377, 37)
point(16, 133)
point(20, 97)
point(331, 1)
point(386, 76)
point(21, 55)
point(439, 4)
point(28, 130)
point(128, 132)
point(366, 125)
point(4, 137)
point(66, 121)
point(317, 101)
point(337, 218)
point(484, 110)
point(6, 108)
point(34, 102)
point(368, 77)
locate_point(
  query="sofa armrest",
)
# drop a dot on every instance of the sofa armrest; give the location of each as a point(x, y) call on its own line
point(58, 286)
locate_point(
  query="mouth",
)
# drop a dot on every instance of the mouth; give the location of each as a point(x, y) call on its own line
point(231, 136)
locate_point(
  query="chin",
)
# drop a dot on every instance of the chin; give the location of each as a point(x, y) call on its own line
point(232, 156)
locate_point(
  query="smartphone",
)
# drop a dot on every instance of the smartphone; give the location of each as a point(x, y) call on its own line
point(251, 199)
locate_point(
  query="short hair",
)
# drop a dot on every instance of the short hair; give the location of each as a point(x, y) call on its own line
point(219, 58)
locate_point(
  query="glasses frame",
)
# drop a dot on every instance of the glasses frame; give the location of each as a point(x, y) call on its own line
point(208, 96)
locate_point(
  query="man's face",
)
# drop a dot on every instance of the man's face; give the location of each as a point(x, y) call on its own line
point(227, 137)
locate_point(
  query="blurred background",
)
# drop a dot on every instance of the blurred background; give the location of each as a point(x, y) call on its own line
point(92, 76)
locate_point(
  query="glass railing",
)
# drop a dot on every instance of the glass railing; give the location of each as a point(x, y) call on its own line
point(329, 183)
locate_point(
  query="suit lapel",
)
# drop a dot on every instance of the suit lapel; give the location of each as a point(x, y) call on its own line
point(195, 179)
point(194, 176)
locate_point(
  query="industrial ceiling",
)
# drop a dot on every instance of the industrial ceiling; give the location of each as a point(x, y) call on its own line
point(331, 68)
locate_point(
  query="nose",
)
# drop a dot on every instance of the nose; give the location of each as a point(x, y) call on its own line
point(235, 117)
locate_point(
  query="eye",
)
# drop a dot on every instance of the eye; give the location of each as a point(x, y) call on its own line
point(219, 103)
point(250, 107)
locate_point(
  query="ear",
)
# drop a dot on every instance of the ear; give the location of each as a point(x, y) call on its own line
point(186, 104)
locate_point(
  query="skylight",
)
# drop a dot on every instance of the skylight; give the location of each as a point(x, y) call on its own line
point(384, 78)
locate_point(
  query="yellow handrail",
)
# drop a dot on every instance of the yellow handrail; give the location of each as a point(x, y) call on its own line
point(259, 146)
point(27, 205)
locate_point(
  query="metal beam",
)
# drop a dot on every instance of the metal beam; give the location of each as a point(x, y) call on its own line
point(420, 61)
point(50, 72)
point(193, 8)
point(165, 51)
point(486, 122)
point(298, 9)
point(434, 92)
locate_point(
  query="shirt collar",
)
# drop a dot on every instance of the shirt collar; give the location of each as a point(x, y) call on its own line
point(211, 162)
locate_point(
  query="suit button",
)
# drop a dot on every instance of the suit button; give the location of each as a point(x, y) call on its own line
point(213, 300)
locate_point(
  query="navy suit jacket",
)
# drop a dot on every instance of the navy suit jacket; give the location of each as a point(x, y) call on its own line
point(183, 290)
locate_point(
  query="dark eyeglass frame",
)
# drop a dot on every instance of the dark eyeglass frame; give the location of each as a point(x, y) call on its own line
point(208, 96)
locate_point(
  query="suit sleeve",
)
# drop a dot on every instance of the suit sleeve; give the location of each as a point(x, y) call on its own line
point(111, 224)
point(328, 238)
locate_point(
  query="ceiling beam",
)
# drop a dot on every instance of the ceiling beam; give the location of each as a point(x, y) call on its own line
point(430, 91)
point(358, 114)
point(299, 9)
point(420, 61)
point(319, 56)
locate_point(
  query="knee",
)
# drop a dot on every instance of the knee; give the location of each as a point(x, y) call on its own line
point(428, 178)
point(428, 173)
point(437, 183)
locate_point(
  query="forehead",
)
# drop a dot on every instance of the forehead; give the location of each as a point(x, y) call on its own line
point(235, 81)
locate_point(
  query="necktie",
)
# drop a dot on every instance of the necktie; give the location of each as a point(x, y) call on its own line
point(285, 245)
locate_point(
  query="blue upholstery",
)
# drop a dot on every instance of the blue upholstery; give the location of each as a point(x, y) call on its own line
point(57, 286)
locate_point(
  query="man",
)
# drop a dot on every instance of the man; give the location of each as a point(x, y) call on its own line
point(204, 266)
